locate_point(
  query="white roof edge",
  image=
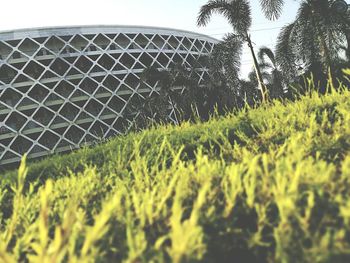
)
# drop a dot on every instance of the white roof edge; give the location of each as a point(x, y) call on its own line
point(86, 29)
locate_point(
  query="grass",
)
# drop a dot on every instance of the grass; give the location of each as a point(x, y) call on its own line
point(262, 185)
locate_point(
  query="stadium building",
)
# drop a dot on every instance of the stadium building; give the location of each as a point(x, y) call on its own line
point(63, 87)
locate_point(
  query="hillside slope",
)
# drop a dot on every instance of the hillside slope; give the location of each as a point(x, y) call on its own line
point(263, 185)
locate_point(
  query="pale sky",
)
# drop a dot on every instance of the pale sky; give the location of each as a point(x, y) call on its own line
point(179, 14)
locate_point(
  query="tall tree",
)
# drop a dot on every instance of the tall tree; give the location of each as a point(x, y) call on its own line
point(271, 73)
point(238, 14)
point(275, 78)
point(314, 38)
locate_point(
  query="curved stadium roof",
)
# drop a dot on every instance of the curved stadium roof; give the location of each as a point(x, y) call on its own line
point(105, 29)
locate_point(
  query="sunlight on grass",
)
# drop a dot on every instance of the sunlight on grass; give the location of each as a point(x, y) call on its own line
point(264, 185)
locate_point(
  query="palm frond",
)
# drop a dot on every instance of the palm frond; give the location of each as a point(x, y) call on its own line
point(226, 58)
point(285, 56)
point(272, 8)
point(265, 66)
point(208, 10)
point(265, 51)
point(237, 12)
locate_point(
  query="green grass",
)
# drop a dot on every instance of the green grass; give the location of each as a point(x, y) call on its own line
point(263, 185)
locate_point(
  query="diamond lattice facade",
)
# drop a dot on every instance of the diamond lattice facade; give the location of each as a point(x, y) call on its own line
point(63, 87)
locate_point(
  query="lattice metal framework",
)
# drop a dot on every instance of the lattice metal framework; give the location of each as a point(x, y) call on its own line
point(63, 87)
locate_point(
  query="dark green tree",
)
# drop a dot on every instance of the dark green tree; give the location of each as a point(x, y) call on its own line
point(169, 85)
point(272, 74)
point(313, 39)
point(238, 14)
point(225, 61)
point(223, 85)
point(182, 90)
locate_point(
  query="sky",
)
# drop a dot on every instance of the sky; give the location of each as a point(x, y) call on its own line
point(178, 14)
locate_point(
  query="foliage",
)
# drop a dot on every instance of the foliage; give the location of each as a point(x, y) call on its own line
point(224, 62)
point(313, 40)
point(189, 97)
point(238, 14)
point(261, 185)
point(273, 76)
point(272, 8)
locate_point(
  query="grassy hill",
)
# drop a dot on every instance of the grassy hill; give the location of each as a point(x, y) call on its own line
point(262, 185)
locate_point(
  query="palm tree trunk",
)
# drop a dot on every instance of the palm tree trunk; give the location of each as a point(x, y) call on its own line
point(257, 70)
point(348, 43)
point(324, 51)
point(327, 57)
point(175, 110)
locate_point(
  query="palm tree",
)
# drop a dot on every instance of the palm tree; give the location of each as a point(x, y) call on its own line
point(238, 14)
point(271, 73)
point(274, 76)
point(314, 38)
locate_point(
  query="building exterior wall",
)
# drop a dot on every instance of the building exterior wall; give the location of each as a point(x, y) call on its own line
point(63, 87)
